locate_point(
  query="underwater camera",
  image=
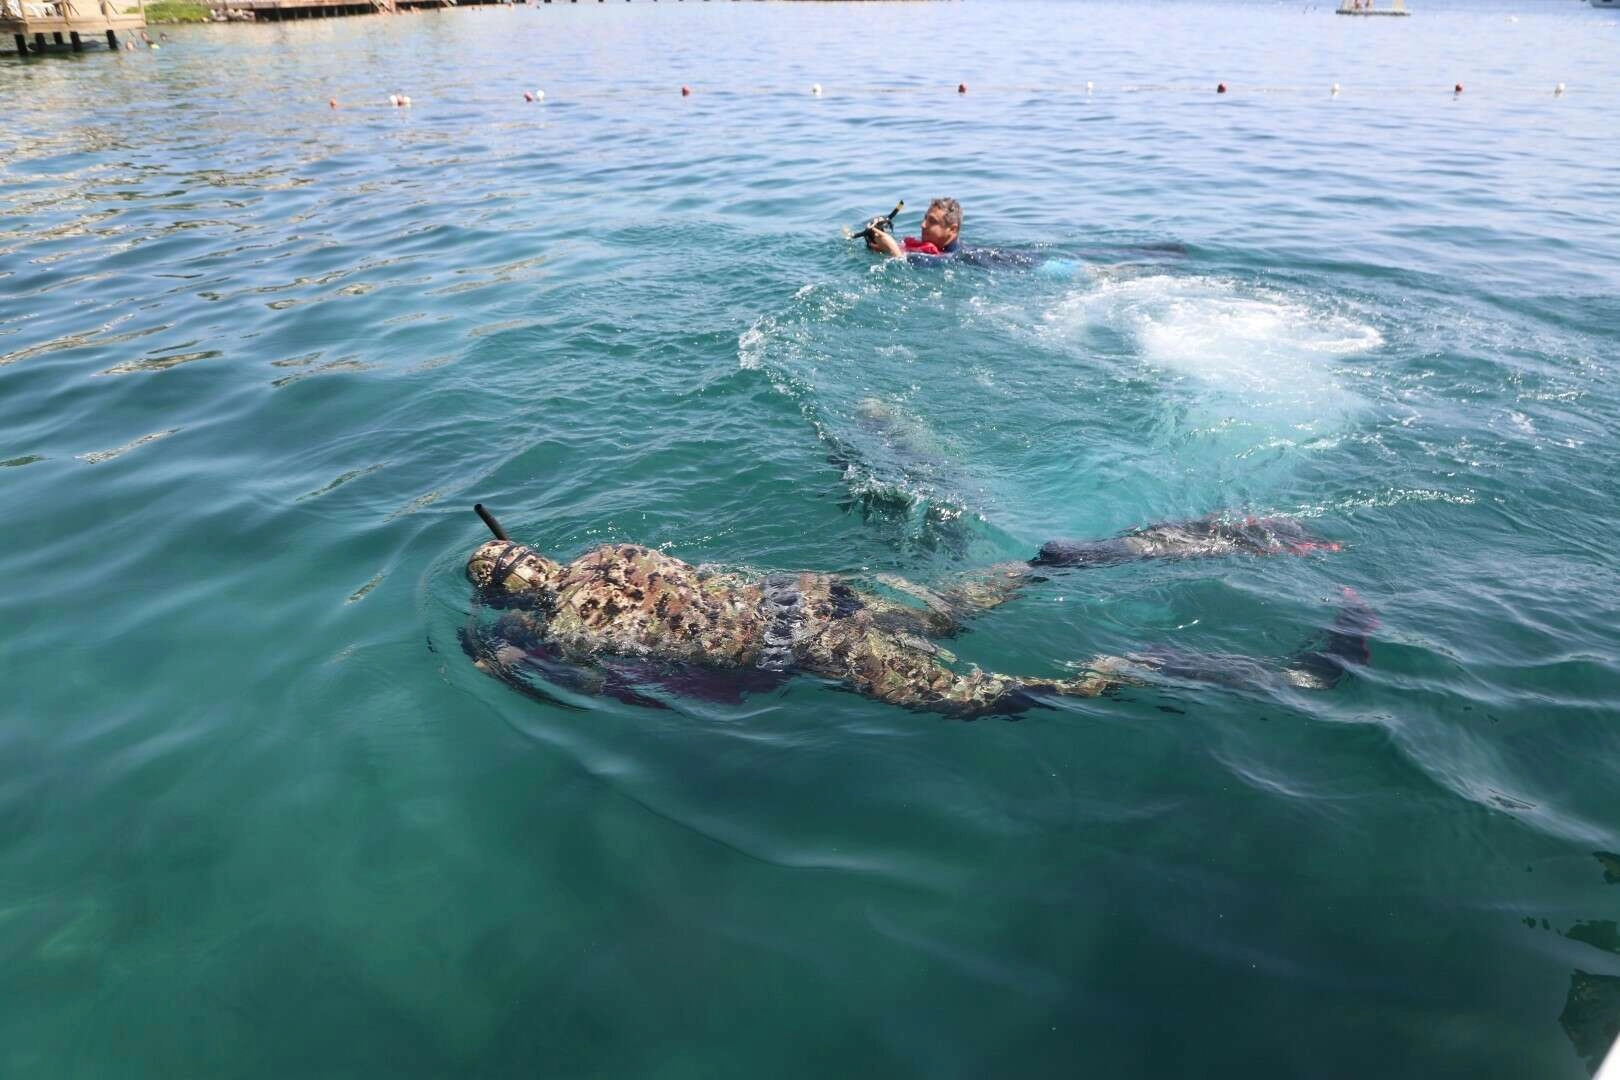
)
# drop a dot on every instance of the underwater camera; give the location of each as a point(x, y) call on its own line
point(879, 224)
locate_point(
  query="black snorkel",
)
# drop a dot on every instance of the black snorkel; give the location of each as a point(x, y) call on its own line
point(880, 224)
point(489, 519)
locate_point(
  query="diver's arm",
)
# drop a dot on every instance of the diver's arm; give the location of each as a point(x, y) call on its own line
point(978, 591)
point(897, 670)
point(966, 595)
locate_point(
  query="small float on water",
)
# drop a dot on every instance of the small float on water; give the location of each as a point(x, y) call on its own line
point(1369, 7)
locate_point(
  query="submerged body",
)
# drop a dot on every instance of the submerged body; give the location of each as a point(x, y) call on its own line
point(629, 603)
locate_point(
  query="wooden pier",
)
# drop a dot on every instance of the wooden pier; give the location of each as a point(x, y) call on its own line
point(280, 10)
point(68, 24)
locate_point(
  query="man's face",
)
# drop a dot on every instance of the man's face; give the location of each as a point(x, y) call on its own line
point(934, 229)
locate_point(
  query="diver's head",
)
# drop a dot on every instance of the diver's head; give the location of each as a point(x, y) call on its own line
point(942, 223)
point(511, 575)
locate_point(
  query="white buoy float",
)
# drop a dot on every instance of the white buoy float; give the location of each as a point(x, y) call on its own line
point(815, 89)
point(1558, 91)
point(1335, 91)
point(399, 101)
point(1089, 87)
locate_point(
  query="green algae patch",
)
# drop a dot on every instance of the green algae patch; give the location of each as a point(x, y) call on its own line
point(176, 11)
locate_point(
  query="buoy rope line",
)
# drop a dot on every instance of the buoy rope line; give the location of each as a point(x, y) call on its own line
point(1081, 91)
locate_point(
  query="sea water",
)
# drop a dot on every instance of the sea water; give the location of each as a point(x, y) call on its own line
point(260, 816)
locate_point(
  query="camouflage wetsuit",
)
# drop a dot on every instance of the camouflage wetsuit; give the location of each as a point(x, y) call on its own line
point(631, 602)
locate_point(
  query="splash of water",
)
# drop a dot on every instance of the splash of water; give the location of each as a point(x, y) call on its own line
point(1256, 344)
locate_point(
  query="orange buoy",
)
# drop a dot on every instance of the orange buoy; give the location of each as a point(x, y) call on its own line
point(686, 91)
point(332, 102)
point(1220, 88)
point(527, 96)
point(961, 88)
point(1457, 89)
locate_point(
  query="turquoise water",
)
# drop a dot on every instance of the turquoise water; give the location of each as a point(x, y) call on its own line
point(259, 816)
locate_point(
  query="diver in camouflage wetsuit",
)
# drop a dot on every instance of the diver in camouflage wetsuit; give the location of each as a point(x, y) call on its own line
point(638, 606)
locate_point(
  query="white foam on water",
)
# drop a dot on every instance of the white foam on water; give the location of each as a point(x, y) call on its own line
point(1255, 343)
point(776, 341)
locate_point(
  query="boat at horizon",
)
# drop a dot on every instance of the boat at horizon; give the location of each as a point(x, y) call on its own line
point(1365, 7)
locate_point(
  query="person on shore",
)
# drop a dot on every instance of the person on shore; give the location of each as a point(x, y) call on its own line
point(941, 226)
point(622, 618)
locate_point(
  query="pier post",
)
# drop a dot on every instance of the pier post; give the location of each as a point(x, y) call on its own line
point(112, 41)
point(78, 46)
point(58, 37)
point(22, 44)
point(39, 42)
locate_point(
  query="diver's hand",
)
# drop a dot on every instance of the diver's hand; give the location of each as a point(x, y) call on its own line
point(878, 240)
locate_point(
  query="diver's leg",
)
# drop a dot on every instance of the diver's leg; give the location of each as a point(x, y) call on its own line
point(1202, 538)
point(978, 591)
point(1321, 665)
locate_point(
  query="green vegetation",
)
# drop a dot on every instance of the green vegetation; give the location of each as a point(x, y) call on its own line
point(176, 11)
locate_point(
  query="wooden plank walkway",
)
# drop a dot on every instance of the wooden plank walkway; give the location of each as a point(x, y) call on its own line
point(67, 22)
